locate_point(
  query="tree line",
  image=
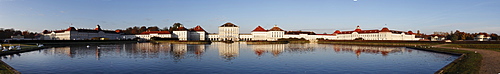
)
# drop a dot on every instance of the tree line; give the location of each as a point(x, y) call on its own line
point(7, 33)
point(138, 30)
point(458, 35)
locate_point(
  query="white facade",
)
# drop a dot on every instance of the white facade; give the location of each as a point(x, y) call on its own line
point(259, 35)
point(182, 35)
point(275, 35)
point(377, 36)
point(482, 37)
point(80, 34)
point(195, 34)
point(229, 31)
point(213, 37)
point(245, 37)
point(383, 34)
point(148, 36)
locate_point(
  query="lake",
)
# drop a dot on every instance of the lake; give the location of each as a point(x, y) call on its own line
point(224, 58)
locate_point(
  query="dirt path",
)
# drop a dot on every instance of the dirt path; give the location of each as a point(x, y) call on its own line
point(491, 59)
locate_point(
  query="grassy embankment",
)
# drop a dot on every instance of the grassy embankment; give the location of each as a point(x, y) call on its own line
point(23, 47)
point(4, 69)
point(468, 63)
point(494, 47)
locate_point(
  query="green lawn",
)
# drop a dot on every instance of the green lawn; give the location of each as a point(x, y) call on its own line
point(494, 47)
point(23, 46)
point(469, 63)
point(380, 43)
point(5, 70)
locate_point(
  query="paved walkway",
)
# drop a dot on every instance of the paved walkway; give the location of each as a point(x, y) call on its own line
point(491, 59)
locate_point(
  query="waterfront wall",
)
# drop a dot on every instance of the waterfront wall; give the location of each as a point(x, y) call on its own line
point(406, 41)
point(63, 41)
point(9, 67)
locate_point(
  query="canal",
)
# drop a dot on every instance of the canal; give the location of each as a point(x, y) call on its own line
point(223, 58)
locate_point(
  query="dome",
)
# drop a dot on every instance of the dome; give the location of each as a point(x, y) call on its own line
point(357, 29)
point(337, 31)
point(385, 29)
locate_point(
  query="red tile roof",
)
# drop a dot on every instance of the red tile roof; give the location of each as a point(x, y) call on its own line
point(337, 31)
point(385, 29)
point(360, 31)
point(357, 29)
point(181, 29)
point(228, 24)
point(276, 28)
point(300, 32)
point(410, 32)
point(198, 28)
point(259, 29)
point(118, 31)
point(71, 29)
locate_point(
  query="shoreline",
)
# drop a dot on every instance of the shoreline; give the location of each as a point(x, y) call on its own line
point(9, 68)
point(421, 46)
point(467, 62)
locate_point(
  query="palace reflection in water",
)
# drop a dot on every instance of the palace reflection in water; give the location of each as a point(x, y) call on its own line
point(227, 51)
point(219, 57)
point(139, 50)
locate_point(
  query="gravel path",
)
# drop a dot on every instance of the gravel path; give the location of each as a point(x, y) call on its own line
point(491, 59)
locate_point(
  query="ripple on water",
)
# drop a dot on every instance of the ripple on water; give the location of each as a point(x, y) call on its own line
point(240, 58)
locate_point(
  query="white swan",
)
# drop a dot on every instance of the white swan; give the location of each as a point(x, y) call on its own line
point(41, 45)
point(18, 47)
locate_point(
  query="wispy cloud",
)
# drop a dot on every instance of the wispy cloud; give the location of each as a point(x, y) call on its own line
point(454, 25)
point(41, 14)
point(223, 19)
point(62, 11)
point(165, 20)
point(485, 29)
point(11, 0)
point(148, 19)
point(103, 22)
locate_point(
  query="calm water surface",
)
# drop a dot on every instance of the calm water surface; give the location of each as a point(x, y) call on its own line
point(225, 58)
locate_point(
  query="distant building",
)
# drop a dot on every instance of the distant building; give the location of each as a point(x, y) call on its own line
point(81, 34)
point(148, 34)
point(482, 37)
point(194, 34)
point(436, 37)
point(383, 34)
point(18, 37)
point(229, 31)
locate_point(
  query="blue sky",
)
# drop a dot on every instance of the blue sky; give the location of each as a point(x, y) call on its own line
point(319, 15)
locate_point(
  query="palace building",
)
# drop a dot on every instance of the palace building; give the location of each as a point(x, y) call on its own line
point(383, 34)
point(229, 32)
point(81, 34)
point(194, 34)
